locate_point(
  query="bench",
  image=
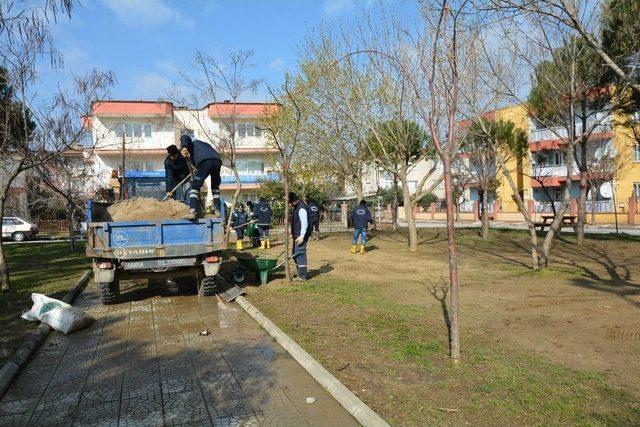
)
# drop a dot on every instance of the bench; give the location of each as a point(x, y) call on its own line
point(567, 221)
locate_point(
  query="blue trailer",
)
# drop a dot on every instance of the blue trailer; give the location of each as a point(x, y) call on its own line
point(157, 249)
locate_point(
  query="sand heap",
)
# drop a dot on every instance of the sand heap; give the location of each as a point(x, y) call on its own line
point(142, 208)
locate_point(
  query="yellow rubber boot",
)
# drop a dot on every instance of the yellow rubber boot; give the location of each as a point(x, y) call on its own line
point(268, 244)
point(239, 245)
point(263, 244)
point(362, 250)
point(354, 249)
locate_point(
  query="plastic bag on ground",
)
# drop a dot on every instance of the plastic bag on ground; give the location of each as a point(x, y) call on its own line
point(67, 319)
point(41, 305)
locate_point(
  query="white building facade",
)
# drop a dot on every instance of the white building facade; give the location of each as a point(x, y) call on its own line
point(143, 130)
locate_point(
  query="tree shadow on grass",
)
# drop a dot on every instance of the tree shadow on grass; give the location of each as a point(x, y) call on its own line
point(435, 291)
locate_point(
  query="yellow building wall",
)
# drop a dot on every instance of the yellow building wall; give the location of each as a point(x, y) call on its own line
point(518, 115)
point(628, 171)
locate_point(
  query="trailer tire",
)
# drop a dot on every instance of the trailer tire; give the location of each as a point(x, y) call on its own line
point(110, 292)
point(209, 287)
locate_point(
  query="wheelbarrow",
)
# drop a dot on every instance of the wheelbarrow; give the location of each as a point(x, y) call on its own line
point(261, 266)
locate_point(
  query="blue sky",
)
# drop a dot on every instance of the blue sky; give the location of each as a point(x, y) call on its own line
point(146, 42)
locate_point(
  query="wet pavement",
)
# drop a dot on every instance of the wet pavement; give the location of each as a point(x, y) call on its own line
point(143, 362)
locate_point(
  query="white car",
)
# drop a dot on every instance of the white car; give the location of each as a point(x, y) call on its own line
point(18, 229)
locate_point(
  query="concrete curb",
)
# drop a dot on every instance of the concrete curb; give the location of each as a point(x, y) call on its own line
point(349, 401)
point(34, 340)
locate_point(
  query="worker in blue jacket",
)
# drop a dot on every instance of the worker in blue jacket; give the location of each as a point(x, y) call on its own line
point(360, 218)
point(314, 218)
point(208, 164)
point(262, 214)
point(300, 232)
point(239, 221)
point(176, 169)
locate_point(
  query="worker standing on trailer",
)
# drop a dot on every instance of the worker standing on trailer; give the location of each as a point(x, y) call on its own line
point(239, 220)
point(262, 214)
point(360, 218)
point(208, 163)
point(300, 232)
point(176, 169)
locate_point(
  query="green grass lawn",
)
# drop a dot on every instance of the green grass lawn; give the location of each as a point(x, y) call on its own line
point(46, 268)
point(377, 323)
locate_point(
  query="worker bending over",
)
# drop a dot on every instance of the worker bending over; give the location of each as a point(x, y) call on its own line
point(239, 220)
point(360, 218)
point(300, 232)
point(176, 169)
point(208, 163)
point(262, 215)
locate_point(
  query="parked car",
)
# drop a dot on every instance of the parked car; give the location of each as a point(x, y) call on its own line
point(18, 229)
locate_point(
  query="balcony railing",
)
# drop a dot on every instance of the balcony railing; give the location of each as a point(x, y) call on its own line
point(552, 170)
point(560, 132)
point(250, 179)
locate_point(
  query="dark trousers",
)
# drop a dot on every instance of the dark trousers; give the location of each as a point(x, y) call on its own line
point(206, 168)
point(300, 257)
point(264, 231)
point(240, 233)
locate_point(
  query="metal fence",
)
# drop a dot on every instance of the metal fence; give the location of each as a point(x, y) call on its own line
point(546, 207)
point(601, 206)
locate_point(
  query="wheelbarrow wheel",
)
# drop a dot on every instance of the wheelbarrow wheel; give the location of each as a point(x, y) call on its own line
point(209, 287)
point(239, 276)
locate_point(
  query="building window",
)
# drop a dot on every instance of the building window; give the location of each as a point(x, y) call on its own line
point(250, 167)
point(189, 132)
point(133, 130)
point(636, 152)
point(247, 129)
point(557, 195)
point(636, 189)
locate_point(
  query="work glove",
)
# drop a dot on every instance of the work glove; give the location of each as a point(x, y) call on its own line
point(185, 153)
point(300, 240)
point(169, 195)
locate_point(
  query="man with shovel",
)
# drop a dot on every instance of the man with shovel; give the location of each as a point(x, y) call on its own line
point(176, 170)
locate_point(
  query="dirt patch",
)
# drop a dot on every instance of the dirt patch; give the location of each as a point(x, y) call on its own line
point(142, 208)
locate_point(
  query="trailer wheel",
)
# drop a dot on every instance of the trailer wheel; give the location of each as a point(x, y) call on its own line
point(209, 287)
point(110, 292)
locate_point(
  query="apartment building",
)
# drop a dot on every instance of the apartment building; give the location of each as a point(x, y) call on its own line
point(613, 158)
point(143, 129)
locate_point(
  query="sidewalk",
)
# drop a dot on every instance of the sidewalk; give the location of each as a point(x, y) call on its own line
point(633, 230)
point(143, 362)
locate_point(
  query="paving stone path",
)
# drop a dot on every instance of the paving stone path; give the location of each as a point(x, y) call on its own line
point(144, 363)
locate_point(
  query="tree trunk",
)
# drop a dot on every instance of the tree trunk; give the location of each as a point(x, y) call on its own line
point(4, 271)
point(359, 191)
point(593, 204)
point(395, 203)
point(287, 268)
point(533, 237)
point(485, 217)
point(408, 212)
point(582, 208)
point(453, 262)
point(234, 202)
point(72, 233)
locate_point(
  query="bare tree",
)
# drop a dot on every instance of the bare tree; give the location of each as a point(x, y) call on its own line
point(285, 128)
point(33, 131)
point(221, 85)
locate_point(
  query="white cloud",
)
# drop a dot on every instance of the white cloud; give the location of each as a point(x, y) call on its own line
point(151, 86)
point(146, 13)
point(333, 7)
point(276, 64)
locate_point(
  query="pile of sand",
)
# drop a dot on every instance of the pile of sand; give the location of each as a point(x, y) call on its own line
point(142, 208)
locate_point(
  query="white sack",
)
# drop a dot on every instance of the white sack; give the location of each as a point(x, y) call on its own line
point(67, 319)
point(41, 305)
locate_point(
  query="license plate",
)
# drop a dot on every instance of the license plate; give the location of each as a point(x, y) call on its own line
point(158, 263)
